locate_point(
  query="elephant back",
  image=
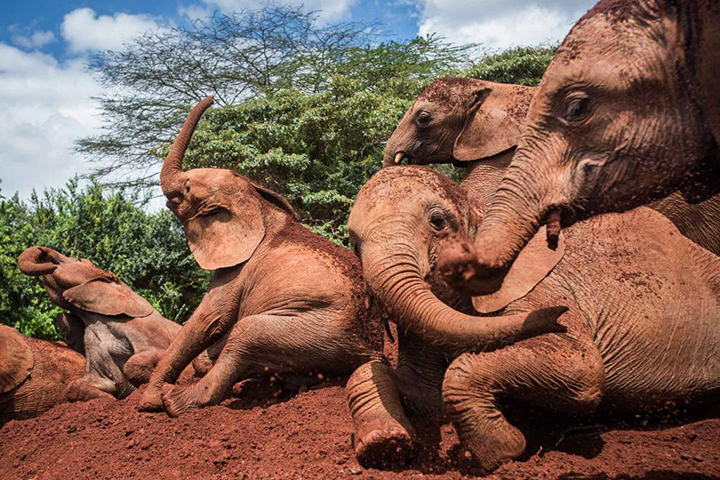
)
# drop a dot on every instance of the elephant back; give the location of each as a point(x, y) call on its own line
point(16, 359)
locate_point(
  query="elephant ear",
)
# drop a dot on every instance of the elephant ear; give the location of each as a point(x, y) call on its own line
point(16, 359)
point(533, 264)
point(494, 121)
point(276, 199)
point(228, 235)
point(108, 296)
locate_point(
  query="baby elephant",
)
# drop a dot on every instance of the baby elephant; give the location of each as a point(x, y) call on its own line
point(642, 329)
point(121, 335)
point(34, 374)
point(283, 299)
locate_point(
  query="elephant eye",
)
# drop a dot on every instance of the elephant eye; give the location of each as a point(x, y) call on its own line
point(577, 108)
point(437, 221)
point(423, 118)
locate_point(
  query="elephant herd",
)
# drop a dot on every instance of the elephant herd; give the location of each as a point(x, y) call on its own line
point(576, 265)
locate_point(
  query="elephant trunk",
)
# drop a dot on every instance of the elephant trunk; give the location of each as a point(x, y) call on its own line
point(396, 280)
point(172, 165)
point(517, 210)
point(38, 261)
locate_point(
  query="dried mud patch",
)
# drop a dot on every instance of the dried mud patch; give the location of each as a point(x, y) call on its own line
point(308, 435)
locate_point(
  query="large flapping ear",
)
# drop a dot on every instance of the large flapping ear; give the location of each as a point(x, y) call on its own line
point(494, 121)
point(108, 296)
point(228, 235)
point(533, 264)
point(16, 359)
point(276, 199)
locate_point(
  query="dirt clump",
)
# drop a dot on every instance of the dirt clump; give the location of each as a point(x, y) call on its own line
point(308, 435)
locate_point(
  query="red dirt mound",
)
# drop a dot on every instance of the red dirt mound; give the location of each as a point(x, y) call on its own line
point(308, 436)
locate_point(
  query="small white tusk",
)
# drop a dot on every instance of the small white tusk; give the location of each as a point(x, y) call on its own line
point(398, 157)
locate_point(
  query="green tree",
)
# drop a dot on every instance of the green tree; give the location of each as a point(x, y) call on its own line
point(147, 250)
point(521, 65)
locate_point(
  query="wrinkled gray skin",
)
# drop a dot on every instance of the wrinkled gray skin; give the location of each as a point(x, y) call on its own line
point(634, 340)
point(627, 112)
point(121, 335)
point(477, 125)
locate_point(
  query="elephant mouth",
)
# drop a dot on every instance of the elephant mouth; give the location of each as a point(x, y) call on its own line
point(555, 219)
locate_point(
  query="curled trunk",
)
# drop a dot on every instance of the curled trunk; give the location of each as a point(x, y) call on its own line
point(398, 284)
point(173, 162)
point(37, 261)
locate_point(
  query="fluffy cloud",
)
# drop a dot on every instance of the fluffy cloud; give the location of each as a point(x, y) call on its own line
point(501, 23)
point(84, 30)
point(46, 106)
point(329, 9)
point(33, 40)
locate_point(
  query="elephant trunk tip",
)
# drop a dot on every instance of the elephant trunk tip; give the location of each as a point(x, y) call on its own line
point(459, 266)
point(173, 162)
point(553, 227)
point(36, 261)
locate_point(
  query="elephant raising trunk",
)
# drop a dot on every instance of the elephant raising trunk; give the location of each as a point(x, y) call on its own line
point(38, 261)
point(173, 162)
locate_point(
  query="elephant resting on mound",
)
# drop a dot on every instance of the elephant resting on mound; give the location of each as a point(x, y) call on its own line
point(282, 298)
point(121, 335)
point(35, 374)
point(642, 328)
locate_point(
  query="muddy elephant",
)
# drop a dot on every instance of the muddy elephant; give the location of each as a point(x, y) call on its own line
point(35, 374)
point(397, 248)
point(628, 111)
point(641, 325)
point(121, 335)
point(284, 299)
point(477, 125)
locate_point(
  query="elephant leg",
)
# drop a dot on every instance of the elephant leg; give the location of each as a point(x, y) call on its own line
point(553, 371)
point(90, 387)
point(257, 344)
point(140, 366)
point(383, 434)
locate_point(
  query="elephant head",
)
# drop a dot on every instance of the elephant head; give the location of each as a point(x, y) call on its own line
point(398, 224)
point(625, 113)
point(220, 210)
point(456, 120)
point(79, 286)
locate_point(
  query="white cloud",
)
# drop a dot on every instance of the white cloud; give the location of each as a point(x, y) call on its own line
point(84, 30)
point(34, 40)
point(46, 106)
point(329, 9)
point(501, 23)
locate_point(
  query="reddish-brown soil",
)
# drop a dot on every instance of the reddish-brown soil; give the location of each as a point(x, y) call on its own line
point(309, 436)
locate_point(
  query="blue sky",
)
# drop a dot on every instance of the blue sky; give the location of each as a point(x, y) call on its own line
point(46, 91)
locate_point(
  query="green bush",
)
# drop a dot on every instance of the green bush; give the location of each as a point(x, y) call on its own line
point(146, 250)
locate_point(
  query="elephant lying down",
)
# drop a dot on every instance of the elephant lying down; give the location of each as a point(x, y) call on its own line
point(35, 374)
point(642, 325)
point(121, 335)
point(286, 300)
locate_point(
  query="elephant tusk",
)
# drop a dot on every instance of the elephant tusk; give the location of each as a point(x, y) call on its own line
point(398, 157)
point(553, 227)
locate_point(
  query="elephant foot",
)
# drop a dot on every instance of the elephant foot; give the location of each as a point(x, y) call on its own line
point(81, 391)
point(151, 400)
point(179, 400)
point(385, 445)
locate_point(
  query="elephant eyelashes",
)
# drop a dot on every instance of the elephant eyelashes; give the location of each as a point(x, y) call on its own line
point(423, 119)
point(576, 108)
point(437, 221)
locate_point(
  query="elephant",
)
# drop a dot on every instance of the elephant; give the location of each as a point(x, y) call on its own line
point(640, 330)
point(397, 249)
point(627, 112)
point(477, 125)
point(120, 334)
point(284, 299)
point(35, 374)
